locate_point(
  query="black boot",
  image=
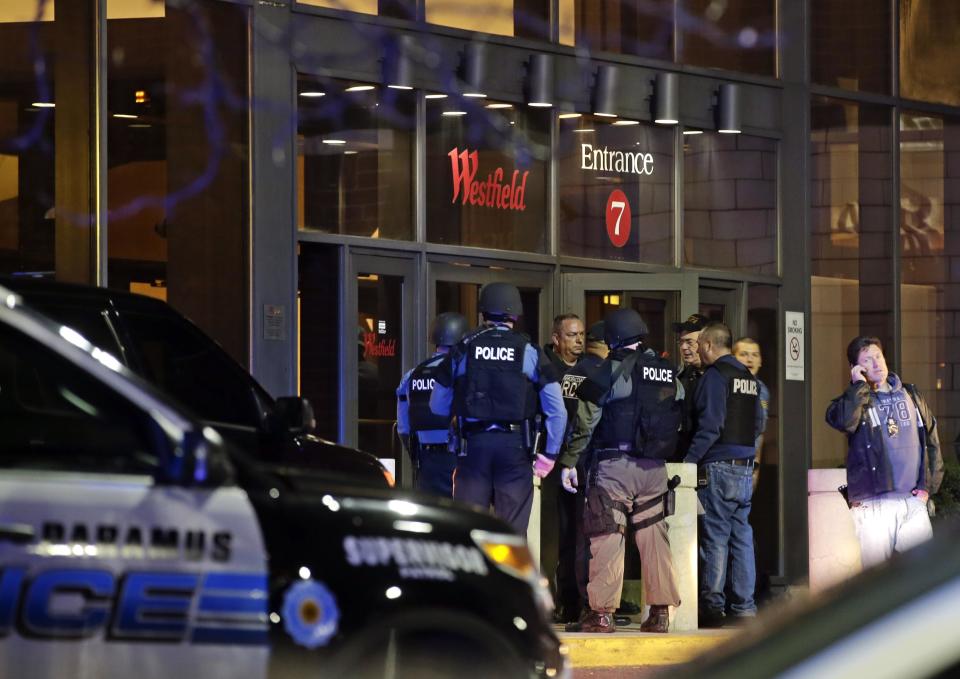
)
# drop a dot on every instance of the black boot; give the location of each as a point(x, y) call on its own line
point(599, 622)
point(658, 621)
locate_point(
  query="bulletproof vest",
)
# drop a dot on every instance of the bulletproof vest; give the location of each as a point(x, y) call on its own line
point(743, 390)
point(421, 386)
point(648, 419)
point(493, 386)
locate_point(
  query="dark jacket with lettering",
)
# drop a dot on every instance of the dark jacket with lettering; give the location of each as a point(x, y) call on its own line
point(420, 387)
point(869, 472)
point(689, 378)
point(493, 385)
point(728, 413)
point(641, 416)
point(570, 386)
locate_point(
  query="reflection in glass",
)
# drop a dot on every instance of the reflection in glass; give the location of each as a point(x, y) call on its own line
point(929, 294)
point(517, 18)
point(178, 161)
point(642, 28)
point(929, 60)
point(487, 171)
point(737, 35)
point(379, 359)
point(463, 298)
point(850, 44)
point(355, 158)
point(730, 202)
point(851, 249)
point(615, 189)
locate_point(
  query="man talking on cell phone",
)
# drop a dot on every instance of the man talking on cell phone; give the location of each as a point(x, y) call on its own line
point(893, 455)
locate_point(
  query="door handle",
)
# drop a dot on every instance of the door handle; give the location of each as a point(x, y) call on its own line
point(17, 533)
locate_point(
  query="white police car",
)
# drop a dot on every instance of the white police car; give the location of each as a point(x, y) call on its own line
point(134, 543)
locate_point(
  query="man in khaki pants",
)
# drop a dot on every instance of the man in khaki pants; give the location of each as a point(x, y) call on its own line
point(629, 416)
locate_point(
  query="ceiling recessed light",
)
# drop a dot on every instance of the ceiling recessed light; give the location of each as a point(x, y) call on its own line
point(349, 153)
point(693, 131)
point(43, 104)
point(626, 122)
point(128, 116)
point(499, 105)
point(605, 115)
point(434, 96)
point(584, 129)
point(540, 104)
point(454, 113)
point(334, 141)
point(569, 115)
point(400, 87)
point(359, 88)
point(475, 95)
point(313, 94)
point(666, 121)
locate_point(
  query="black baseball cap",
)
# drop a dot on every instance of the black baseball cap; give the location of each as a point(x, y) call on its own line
point(693, 323)
point(595, 333)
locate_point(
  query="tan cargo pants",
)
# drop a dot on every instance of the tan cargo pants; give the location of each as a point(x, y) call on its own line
point(632, 481)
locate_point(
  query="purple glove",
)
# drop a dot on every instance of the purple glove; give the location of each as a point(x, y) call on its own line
point(568, 479)
point(542, 465)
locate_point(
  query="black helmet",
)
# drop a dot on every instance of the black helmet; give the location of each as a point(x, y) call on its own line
point(500, 300)
point(596, 332)
point(448, 328)
point(622, 327)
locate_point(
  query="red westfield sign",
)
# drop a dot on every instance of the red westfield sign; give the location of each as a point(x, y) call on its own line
point(491, 192)
point(373, 347)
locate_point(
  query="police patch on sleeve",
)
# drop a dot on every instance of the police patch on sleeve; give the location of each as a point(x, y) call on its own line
point(310, 613)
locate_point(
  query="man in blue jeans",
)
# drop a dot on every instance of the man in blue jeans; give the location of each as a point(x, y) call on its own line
point(728, 420)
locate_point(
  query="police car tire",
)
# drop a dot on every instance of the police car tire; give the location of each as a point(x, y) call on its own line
point(431, 643)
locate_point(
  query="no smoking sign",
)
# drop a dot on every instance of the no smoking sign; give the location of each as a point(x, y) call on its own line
point(618, 218)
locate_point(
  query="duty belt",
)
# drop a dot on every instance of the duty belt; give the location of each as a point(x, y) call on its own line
point(614, 452)
point(488, 426)
point(433, 447)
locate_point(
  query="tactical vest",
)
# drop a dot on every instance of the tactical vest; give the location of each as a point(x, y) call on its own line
point(493, 386)
point(646, 421)
point(420, 387)
point(743, 391)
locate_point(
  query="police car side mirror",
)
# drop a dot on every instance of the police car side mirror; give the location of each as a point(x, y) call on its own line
point(294, 413)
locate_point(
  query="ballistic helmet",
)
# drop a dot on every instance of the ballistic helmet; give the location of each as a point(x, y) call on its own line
point(596, 332)
point(622, 327)
point(448, 328)
point(499, 301)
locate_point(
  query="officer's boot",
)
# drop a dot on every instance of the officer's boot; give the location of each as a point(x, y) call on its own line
point(599, 622)
point(658, 620)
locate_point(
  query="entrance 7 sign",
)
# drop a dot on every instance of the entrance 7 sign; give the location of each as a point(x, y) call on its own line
point(618, 218)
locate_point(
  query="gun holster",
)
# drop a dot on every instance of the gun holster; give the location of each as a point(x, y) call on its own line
point(702, 480)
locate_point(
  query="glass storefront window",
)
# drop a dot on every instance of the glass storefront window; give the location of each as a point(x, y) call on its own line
point(463, 298)
point(517, 18)
point(399, 9)
point(318, 368)
point(929, 276)
point(615, 189)
point(43, 227)
point(851, 250)
point(929, 60)
point(355, 158)
point(178, 160)
point(730, 202)
point(487, 170)
point(642, 28)
point(850, 44)
point(736, 35)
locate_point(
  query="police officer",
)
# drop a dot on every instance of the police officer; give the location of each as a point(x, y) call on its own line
point(426, 436)
point(492, 382)
point(629, 407)
point(729, 418)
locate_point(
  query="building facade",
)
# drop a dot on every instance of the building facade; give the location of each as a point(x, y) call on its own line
point(311, 182)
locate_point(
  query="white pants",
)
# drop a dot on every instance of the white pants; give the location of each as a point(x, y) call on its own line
point(885, 525)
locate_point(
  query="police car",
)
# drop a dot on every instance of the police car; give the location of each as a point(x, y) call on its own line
point(150, 338)
point(135, 543)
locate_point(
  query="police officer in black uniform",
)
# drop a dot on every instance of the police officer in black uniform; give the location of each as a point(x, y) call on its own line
point(492, 383)
point(425, 436)
point(629, 417)
point(690, 373)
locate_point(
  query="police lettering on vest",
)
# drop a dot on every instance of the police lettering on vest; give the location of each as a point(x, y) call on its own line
point(494, 353)
point(420, 384)
point(742, 386)
point(658, 374)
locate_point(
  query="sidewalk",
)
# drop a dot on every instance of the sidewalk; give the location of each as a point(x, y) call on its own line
point(598, 655)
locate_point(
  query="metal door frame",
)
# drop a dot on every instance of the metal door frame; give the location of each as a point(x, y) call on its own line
point(575, 285)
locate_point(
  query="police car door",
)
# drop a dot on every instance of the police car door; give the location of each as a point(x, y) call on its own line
point(104, 570)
